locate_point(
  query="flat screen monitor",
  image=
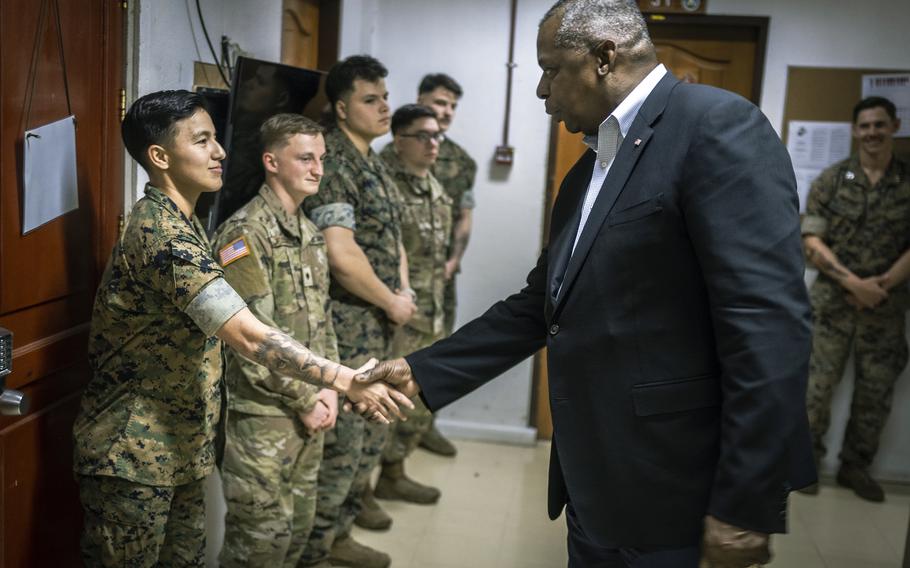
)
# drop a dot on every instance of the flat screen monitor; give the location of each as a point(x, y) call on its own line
point(259, 90)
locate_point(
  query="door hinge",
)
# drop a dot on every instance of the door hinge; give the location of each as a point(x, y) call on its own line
point(123, 4)
point(122, 104)
point(121, 225)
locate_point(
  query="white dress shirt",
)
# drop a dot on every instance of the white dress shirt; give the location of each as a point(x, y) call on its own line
point(608, 140)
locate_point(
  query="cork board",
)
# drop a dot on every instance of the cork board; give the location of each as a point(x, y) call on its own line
point(828, 94)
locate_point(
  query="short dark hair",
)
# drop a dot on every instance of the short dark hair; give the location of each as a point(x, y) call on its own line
point(433, 81)
point(407, 114)
point(279, 128)
point(875, 102)
point(342, 75)
point(151, 120)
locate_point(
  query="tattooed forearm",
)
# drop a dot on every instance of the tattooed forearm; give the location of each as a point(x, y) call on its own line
point(825, 263)
point(283, 354)
point(832, 269)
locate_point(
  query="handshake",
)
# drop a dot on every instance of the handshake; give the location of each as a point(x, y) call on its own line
point(378, 390)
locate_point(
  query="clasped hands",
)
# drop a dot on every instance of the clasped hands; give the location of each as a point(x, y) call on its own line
point(378, 390)
point(867, 293)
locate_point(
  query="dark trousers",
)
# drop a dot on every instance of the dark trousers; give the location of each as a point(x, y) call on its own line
point(584, 553)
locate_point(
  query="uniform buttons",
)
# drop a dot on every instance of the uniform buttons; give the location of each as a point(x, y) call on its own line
point(554, 329)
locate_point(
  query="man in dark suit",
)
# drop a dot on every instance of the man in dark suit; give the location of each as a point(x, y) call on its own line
point(671, 300)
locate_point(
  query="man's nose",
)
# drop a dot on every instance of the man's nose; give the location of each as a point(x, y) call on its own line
point(219, 152)
point(543, 90)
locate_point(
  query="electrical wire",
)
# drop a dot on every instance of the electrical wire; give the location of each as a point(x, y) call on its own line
point(211, 47)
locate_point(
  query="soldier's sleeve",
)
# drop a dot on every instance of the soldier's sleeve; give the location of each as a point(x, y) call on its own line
point(250, 276)
point(184, 271)
point(468, 174)
point(335, 203)
point(331, 340)
point(815, 221)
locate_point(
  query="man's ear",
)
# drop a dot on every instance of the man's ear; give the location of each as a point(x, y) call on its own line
point(269, 162)
point(340, 110)
point(158, 157)
point(605, 53)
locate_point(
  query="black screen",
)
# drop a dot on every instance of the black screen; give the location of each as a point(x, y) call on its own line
point(259, 90)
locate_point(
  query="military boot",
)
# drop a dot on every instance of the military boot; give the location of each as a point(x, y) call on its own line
point(348, 552)
point(858, 480)
point(393, 484)
point(433, 441)
point(371, 515)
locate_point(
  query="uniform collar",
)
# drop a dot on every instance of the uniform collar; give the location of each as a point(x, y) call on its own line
point(418, 185)
point(344, 148)
point(897, 171)
point(289, 223)
point(170, 207)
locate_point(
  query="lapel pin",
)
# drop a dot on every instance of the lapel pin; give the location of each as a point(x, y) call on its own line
point(638, 142)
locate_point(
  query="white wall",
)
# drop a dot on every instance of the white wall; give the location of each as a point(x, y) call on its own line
point(469, 40)
point(169, 39)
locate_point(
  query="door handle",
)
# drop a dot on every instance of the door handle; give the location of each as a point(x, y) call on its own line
point(12, 402)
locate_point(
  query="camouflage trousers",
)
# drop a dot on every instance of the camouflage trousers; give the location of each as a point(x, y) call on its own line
point(128, 524)
point(405, 436)
point(269, 479)
point(352, 447)
point(880, 354)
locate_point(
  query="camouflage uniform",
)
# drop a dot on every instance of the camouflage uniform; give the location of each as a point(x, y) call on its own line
point(868, 228)
point(357, 193)
point(270, 461)
point(144, 436)
point(426, 229)
point(455, 170)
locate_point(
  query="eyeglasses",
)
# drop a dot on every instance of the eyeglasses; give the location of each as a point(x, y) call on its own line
point(424, 136)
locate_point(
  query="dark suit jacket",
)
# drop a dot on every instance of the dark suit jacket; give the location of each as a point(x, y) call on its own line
point(678, 343)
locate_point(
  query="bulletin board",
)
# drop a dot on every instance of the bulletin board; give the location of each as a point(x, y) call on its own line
point(829, 94)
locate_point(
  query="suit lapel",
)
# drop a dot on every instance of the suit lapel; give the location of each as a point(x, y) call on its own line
point(633, 146)
point(564, 223)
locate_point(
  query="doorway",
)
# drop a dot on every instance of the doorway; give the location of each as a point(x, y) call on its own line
point(723, 51)
point(49, 275)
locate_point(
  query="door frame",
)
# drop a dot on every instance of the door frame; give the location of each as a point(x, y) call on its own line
point(661, 27)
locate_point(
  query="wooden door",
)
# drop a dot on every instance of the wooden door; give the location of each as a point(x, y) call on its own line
point(309, 33)
point(48, 276)
point(726, 52)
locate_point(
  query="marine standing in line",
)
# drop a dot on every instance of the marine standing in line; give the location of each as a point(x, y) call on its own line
point(357, 210)
point(426, 227)
point(456, 171)
point(856, 231)
point(275, 258)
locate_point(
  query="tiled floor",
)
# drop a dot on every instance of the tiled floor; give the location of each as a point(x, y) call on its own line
point(493, 515)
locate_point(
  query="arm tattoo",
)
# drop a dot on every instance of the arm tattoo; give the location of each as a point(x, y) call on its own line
point(831, 269)
point(282, 353)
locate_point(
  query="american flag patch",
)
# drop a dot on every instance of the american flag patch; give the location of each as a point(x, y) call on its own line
point(232, 251)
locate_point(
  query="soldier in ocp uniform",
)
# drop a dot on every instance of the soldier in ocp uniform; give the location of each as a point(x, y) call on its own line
point(274, 428)
point(144, 435)
point(856, 231)
point(357, 210)
point(456, 171)
point(426, 227)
